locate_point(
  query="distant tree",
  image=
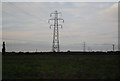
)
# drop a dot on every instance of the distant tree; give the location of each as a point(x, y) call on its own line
point(68, 51)
point(3, 49)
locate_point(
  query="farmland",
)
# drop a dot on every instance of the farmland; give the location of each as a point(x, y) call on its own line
point(55, 66)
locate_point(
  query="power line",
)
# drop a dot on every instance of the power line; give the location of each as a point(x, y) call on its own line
point(18, 8)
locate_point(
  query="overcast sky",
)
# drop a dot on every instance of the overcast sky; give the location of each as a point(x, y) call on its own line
point(26, 28)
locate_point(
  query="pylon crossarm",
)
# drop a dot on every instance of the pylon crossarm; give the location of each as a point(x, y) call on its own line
point(51, 26)
point(50, 20)
point(61, 19)
point(51, 14)
point(60, 26)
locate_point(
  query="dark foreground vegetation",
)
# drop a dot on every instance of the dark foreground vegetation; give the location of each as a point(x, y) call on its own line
point(63, 65)
point(63, 53)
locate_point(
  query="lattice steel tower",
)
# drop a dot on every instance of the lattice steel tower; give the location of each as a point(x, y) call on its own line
point(54, 22)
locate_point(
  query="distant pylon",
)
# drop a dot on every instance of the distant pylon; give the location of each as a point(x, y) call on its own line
point(55, 24)
point(84, 47)
point(113, 47)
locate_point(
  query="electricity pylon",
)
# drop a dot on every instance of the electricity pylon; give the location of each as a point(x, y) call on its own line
point(113, 47)
point(54, 22)
point(84, 47)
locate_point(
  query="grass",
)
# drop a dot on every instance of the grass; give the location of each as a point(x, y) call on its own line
point(60, 66)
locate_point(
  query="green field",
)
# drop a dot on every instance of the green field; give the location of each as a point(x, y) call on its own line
point(60, 67)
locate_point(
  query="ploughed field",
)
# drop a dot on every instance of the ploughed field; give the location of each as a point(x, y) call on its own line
point(57, 66)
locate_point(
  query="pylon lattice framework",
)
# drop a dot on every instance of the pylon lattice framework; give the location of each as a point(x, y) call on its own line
point(55, 24)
